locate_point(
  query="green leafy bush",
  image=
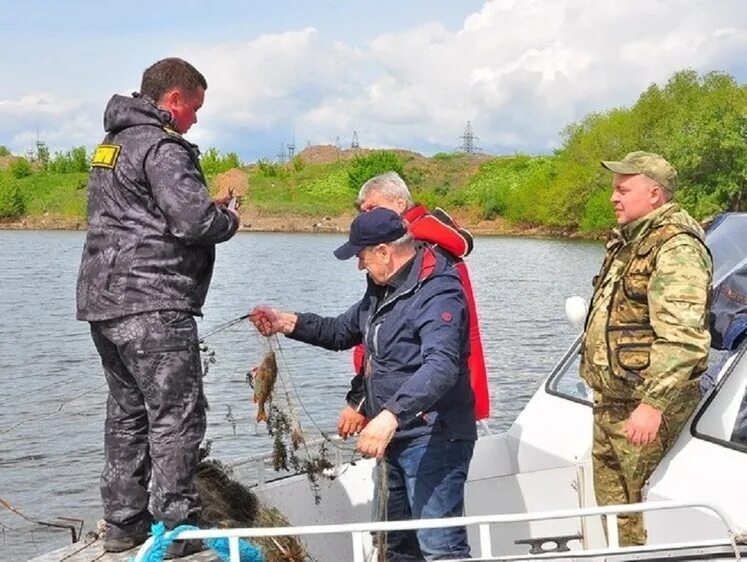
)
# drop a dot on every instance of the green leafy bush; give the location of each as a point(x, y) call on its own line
point(270, 169)
point(365, 167)
point(598, 214)
point(298, 163)
point(73, 161)
point(697, 122)
point(12, 203)
point(332, 185)
point(507, 186)
point(42, 155)
point(415, 178)
point(446, 156)
point(213, 163)
point(20, 168)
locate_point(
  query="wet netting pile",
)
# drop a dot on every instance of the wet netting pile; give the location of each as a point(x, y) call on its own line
point(227, 504)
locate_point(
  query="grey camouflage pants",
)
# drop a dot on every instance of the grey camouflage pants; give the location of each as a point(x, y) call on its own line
point(155, 417)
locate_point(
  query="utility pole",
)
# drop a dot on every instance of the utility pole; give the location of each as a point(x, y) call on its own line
point(292, 147)
point(42, 152)
point(281, 154)
point(469, 140)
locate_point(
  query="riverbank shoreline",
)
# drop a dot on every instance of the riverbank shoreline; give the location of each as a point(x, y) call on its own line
point(253, 221)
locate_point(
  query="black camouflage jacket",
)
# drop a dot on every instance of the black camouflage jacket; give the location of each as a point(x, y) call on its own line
point(152, 227)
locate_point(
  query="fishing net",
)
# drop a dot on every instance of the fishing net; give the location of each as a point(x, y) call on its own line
point(227, 504)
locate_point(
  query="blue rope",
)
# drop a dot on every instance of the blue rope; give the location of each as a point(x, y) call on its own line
point(162, 539)
point(247, 551)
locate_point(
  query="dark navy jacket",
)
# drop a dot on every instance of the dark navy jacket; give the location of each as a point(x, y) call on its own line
point(152, 227)
point(417, 342)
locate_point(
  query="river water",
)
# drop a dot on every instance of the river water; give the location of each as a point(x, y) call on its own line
point(53, 392)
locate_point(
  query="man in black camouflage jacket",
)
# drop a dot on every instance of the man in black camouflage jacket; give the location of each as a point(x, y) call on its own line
point(145, 271)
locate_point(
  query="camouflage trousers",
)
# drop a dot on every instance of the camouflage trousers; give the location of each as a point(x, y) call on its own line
point(155, 417)
point(621, 468)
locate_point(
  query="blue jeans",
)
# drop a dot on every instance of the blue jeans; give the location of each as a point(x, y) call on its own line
point(425, 479)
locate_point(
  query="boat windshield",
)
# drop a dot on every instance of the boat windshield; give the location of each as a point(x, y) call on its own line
point(725, 239)
point(565, 380)
point(723, 417)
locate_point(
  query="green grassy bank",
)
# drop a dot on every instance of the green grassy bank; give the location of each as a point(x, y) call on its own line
point(698, 122)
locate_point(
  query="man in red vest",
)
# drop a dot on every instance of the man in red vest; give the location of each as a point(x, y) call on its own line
point(389, 191)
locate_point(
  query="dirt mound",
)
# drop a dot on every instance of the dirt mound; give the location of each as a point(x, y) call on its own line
point(5, 161)
point(233, 182)
point(328, 154)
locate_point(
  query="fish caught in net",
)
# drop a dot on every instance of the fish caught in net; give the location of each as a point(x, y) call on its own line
point(290, 450)
point(262, 378)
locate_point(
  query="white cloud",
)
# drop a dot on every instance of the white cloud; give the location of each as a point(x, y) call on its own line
point(520, 70)
point(61, 122)
point(261, 81)
point(36, 104)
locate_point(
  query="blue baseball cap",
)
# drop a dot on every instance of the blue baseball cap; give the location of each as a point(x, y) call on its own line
point(378, 226)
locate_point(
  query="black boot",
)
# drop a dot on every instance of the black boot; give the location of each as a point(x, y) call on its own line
point(125, 537)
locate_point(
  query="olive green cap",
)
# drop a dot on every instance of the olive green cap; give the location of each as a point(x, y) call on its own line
point(646, 163)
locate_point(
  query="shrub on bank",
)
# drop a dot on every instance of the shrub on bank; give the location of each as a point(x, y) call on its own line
point(72, 161)
point(213, 162)
point(512, 186)
point(365, 167)
point(598, 214)
point(20, 168)
point(61, 195)
point(12, 203)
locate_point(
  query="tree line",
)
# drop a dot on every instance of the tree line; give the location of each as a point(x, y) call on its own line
point(696, 121)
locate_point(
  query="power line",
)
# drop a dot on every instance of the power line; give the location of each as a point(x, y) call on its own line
point(292, 147)
point(469, 140)
point(281, 155)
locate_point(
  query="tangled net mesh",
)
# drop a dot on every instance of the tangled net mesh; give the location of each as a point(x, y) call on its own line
point(227, 504)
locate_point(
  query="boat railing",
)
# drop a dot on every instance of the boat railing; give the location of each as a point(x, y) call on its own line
point(358, 531)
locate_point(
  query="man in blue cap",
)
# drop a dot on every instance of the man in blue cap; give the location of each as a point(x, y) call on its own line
point(413, 321)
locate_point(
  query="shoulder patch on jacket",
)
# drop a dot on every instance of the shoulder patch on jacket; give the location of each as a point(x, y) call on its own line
point(105, 156)
point(172, 132)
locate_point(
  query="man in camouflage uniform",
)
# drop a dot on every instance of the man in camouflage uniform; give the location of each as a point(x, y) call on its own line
point(145, 271)
point(646, 338)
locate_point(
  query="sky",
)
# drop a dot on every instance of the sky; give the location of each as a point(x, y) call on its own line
point(399, 73)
